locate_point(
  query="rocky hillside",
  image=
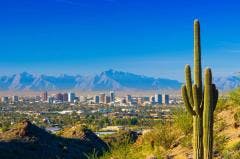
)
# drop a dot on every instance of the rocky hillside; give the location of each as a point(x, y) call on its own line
point(27, 141)
point(226, 140)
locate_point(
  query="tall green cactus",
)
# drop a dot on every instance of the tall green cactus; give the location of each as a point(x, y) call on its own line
point(210, 102)
point(200, 106)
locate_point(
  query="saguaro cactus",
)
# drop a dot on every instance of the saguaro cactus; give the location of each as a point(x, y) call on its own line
point(199, 105)
point(210, 102)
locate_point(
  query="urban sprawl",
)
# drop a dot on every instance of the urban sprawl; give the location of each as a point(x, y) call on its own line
point(102, 98)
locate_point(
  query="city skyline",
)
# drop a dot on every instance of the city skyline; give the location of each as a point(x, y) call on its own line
point(82, 37)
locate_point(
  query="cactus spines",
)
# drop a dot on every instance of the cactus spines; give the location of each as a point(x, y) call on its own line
point(200, 105)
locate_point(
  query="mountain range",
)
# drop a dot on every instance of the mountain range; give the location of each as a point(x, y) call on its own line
point(107, 80)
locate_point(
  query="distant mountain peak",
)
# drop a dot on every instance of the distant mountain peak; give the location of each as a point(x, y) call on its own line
point(109, 79)
point(106, 80)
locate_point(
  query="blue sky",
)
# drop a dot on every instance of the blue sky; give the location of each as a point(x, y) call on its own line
point(150, 37)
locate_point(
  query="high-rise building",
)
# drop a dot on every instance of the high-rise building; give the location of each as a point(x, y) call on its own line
point(5, 99)
point(129, 98)
point(96, 99)
point(158, 98)
point(50, 100)
point(65, 97)
point(152, 99)
point(59, 96)
point(44, 96)
point(107, 99)
point(146, 99)
point(38, 98)
point(123, 100)
point(15, 99)
point(165, 99)
point(102, 98)
point(139, 100)
point(71, 97)
point(112, 96)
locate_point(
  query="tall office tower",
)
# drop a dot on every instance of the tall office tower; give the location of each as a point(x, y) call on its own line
point(50, 100)
point(45, 96)
point(139, 100)
point(65, 97)
point(112, 96)
point(107, 99)
point(96, 99)
point(38, 98)
point(123, 100)
point(15, 99)
point(71, 97)
point(102, 98)
point(158, 98)
point(129, 98)
point(152, 99)
point(146, 99)
point(165, 99)
point(59, 96)
point(5, 99)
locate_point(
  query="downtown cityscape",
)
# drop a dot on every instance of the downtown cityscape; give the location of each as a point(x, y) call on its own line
point(102, 98)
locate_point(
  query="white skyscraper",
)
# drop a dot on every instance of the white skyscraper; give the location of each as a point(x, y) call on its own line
point(71, 97)
point(14, 99)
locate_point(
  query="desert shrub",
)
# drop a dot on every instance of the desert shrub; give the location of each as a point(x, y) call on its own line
point(186, 141)
point(5, 126)
point(231, 155)
point(237, 117)
point(220, 142)
point(122, 137)
point(236, 147)
point(221, 104)
point(220, 125)
point(183, 120)
point(162, 135)
point(234, 96)
point(120, 150)
point(233, 152)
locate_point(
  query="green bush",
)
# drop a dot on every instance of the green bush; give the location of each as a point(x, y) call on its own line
point(234, 96)
point(186, 141)
point(220, 143)
point(233, 152)
point(162, 135)
point(221, 104)
point(183, 120)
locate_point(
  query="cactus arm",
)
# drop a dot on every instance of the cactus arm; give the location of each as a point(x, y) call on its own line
point(215, 96)
point(189, 84)
point(202, 102)
point(186, 101)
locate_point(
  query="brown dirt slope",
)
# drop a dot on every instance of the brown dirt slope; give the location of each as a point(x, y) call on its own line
point(27, 141)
